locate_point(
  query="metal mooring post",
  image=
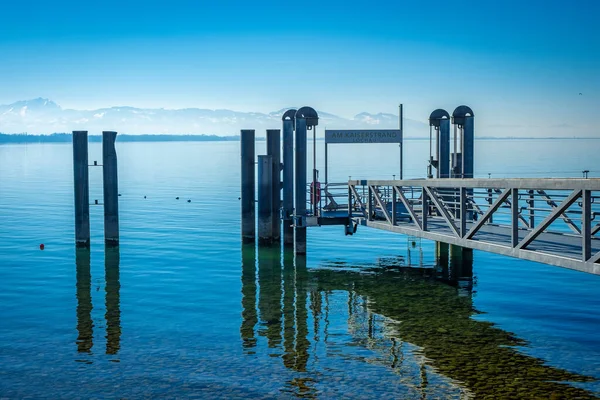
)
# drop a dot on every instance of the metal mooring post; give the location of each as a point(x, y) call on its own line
point(82, 189)
point(306, 118)
point(444, 149)
point(111, 189)
point(300, 204)
point(288, 176)
point(274, 150)
point(265, 199)
point(247, 195)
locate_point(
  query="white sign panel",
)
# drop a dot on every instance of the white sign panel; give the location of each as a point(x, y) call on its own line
point(364, 136)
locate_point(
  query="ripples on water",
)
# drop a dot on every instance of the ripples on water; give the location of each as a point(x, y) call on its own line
point(181, 309)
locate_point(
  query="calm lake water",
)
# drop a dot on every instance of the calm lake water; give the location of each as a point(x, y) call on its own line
point(181, 309)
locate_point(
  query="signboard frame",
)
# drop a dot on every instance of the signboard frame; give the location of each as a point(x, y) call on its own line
point(366, 136)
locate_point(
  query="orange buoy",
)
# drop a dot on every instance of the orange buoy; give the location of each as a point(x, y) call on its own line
point(42, 246)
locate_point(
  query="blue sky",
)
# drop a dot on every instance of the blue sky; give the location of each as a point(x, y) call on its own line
point(519, 65)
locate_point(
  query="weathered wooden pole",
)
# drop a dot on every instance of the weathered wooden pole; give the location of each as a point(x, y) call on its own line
point(274, 150)
point(247, 195)
point(82, 188)
point(265, 199)
point(111, 189)
point(288, 177)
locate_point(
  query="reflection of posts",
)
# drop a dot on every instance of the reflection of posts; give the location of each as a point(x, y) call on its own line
point(302, 342)
point(443, 259)
point(85, 325)
point(461, 267)
point(269, 298)
point(289, 294)
point(249, 318)
point(113, 302)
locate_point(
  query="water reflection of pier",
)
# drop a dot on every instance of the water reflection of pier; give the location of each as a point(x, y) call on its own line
point(85, 322)
point(436, 333)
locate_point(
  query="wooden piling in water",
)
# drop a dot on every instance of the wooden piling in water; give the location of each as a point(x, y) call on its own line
point(111, 188)
point(81, 188)
point(265, 200)
point(247, 191)
point(274, 150)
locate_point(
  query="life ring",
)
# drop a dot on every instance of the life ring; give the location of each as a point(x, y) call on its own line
point(315, 196)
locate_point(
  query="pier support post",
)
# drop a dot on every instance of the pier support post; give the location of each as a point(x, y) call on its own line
point(443, 257)
point(274, 150)
point(300, 205)
point(265, 200)
point(247, 195)
point(82, 189)
point(288, 176)
point(461, 262)
point(111, 189)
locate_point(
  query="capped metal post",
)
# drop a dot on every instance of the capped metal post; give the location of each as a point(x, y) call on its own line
point(265, 199)
point(274, 150)
point(248, 179)
point(440, 120)
point(288, 176)
point(111, 188)
point(300, 203)
point(306, 118)
point(444, 149)
point(82, 188)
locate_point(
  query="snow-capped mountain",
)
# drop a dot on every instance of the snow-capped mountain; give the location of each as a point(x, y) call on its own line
point(40, 116)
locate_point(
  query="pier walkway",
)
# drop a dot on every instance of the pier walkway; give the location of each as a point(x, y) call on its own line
point(548, 220)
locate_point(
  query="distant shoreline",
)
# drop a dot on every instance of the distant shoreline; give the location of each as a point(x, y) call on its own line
point(22, 138)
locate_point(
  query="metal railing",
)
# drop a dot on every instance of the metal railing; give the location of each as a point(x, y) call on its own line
point(553, 221)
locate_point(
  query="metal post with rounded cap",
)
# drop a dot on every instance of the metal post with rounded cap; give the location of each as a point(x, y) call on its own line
point(306, 118)
point(288, 119)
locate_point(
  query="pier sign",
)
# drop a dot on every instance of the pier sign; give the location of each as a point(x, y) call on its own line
point(364, 136)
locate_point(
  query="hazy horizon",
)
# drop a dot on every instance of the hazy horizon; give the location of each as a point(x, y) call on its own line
point(44, 116)
point(529, 68)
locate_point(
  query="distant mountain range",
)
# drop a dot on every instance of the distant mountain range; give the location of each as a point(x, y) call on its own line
point(43, 116)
